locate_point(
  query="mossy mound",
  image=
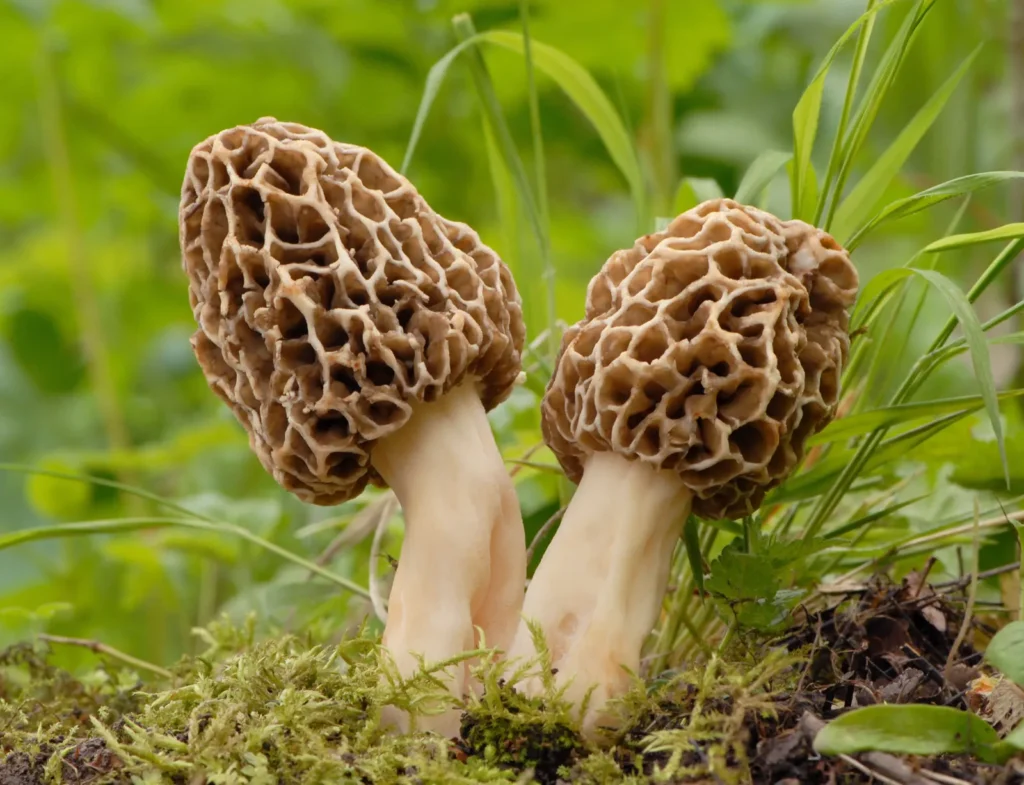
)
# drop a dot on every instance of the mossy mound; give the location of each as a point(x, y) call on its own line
point(292, 710)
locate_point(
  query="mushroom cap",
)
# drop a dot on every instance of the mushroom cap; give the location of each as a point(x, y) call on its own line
point(330, 297)
point(712, 349)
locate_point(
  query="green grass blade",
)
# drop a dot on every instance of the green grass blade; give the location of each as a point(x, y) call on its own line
point(980, 360)
point(127, 525)
point(591, 100)
point(805, 122)
point(760, 173)
point(1012, 231)
point(864, 199)
point(691, 539)
point(859, 55)
point(879, 86)
point(541, 184)
point(930, 197)
point(877, 515)
point(890, 416)
point(435, 78)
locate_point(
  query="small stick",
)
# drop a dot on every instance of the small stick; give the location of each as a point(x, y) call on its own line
point(108, 651)
point(972, 593)
point(943, 778)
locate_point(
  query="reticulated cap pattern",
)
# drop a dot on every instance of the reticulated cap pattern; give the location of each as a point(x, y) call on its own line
point(330, 297)
point(712, 349)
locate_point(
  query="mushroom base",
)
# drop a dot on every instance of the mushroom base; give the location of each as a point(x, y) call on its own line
point(598, 590)
point(463, 560)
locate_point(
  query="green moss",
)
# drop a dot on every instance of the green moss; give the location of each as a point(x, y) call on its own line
point(292, 710)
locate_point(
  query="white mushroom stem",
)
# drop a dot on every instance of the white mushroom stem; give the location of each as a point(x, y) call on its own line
point(598, 590)
point(463, 560)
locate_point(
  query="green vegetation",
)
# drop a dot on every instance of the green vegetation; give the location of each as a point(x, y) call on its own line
point(133, 511)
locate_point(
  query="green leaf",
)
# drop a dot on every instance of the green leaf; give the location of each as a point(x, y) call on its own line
point(909, 730)
point(866, 422)
point(759, 174)
point(693, 191)
point(1016, 738)
point(856, 208)
point(54, 497)
point(1006, 651)
point(1013, 231)
point(930, 197)
point(737, 576)
point(805, 123)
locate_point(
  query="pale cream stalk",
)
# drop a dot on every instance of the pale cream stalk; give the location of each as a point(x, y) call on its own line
point(463, 560)
point(598, 590)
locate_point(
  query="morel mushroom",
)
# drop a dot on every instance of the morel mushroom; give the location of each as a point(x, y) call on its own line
point(709, 352)
point(359, 337)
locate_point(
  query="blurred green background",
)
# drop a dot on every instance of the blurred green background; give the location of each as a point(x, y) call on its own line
point(100, 103)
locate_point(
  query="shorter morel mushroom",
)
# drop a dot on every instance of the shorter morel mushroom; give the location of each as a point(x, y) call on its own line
point(709, 352)
point(361, 338)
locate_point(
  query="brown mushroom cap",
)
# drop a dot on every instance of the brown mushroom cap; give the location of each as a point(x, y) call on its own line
point(712, 349)
point(330, 296)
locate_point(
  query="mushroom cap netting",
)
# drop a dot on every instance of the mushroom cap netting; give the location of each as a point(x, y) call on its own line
point(712, 349)
point(330, 297)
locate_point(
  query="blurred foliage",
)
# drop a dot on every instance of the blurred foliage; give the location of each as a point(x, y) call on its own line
point(102, 101)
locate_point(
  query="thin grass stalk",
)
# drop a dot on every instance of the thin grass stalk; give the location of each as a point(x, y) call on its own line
point(663, 163)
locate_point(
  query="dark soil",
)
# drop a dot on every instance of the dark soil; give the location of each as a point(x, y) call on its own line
point(881, 643)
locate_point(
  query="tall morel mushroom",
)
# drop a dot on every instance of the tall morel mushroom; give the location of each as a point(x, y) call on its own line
point(360, 338)
point(709, 352)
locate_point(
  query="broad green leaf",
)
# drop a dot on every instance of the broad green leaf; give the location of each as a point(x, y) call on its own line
point(865, 422)
point(805, 122)
point(1012, 231)
point(909, 730)
point(759, 174)
point(856, 208)
point(693, 191)
point(1006, 651)
point(930, 197)
point(1015, 739)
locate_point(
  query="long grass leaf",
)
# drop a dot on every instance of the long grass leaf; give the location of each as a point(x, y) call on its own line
point(881, 82)
point(890, 416)
point(859, 55)
point(980, 360)
point(760, 173)
point(1012, 231)
point(590, 99)
point(806, 116)
point(901, 208)
point(694, 190)
point(865, 197)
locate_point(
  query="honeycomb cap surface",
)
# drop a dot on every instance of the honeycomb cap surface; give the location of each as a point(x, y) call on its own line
point(712, 349)
point(330, 297)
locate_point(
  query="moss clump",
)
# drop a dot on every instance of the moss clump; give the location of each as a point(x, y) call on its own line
point(292, 710)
